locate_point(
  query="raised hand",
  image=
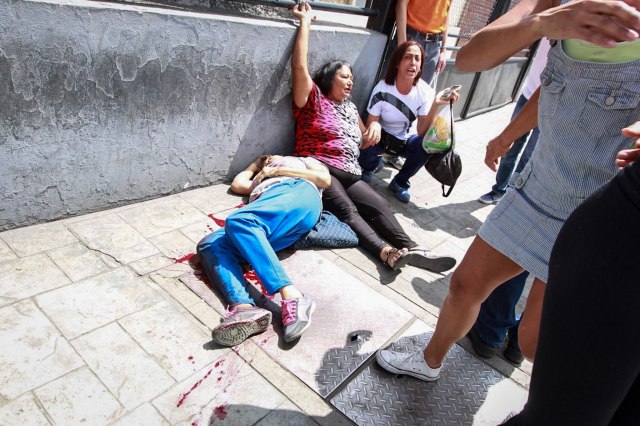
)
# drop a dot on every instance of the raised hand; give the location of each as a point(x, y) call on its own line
point(303, 12)
point(628, 156)
point(599, 22)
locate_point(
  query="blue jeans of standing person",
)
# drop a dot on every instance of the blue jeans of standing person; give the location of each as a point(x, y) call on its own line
point(415, 155)
point(497, 317)
point(508, 161)
point(253, 234)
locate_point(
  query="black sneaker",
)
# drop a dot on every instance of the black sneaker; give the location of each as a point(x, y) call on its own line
point(481, 349)
point(513, 355)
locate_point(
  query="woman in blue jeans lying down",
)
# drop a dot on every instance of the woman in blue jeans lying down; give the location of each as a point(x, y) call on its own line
point(284, 204)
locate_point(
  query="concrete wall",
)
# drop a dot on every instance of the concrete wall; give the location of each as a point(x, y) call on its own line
point(103, 104)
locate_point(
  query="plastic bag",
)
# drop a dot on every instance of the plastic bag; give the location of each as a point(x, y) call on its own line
point(438, 137)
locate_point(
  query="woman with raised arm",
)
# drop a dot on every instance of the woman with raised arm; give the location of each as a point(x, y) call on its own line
point(329, 129)
point(588, 94)
point(284, 204)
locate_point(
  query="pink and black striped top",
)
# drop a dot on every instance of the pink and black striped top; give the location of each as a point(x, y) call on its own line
point(328, 131)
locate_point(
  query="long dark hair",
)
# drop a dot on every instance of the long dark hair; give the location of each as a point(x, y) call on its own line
point(324, 77)
point(392, 70)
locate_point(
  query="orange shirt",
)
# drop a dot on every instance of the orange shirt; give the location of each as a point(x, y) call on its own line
point(428, 16)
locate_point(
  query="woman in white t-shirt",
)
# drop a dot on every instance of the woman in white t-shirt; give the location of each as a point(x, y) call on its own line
point(405, 106)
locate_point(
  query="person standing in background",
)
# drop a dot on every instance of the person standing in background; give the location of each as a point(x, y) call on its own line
point(424, 21)
point(508, 161)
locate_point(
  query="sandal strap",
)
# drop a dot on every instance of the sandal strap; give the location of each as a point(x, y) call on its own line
point(391, 250)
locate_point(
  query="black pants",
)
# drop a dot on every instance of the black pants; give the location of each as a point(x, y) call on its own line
point(358, 205)
point(587, 364)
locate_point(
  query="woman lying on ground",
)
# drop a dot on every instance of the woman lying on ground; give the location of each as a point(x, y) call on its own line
point(588, 94)
point(329, 129)
point(406, 107)
point(284, 204)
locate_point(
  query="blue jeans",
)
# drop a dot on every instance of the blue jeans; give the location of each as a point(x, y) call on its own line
point(415, 155)
point(508, 161)
point(253, 234)
point(497, 317)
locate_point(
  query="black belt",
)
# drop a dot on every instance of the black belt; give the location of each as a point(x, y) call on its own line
point(428, 37)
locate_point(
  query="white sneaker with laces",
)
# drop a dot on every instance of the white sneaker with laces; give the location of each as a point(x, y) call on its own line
point(408, 363)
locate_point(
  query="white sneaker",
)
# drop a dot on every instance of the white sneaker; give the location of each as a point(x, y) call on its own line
point(408, 363)
point(395, 160)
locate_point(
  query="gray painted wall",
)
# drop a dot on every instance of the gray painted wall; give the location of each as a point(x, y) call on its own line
point(103, 105)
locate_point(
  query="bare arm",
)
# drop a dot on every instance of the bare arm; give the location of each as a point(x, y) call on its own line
point(302, 82)
point(442, 60)
point(526, 120)
point(242, 182)
point(318, 174)
point(401, 20)
point(372, 133)
point(602, 22)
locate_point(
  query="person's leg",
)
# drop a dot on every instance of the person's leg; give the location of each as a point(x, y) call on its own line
point(276, 220)
point(508, 161)
point(482, 269)
point(369, 158)
point(528, 150)
point(529, 327)
point(416, 158)
point(221, 263)
point(376, 210)
point(431, 56)
point(588, 356)
point(497, 313)
point(337, 201)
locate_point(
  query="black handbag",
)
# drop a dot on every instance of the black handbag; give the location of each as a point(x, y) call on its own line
point(393, 145)
point(446, 167)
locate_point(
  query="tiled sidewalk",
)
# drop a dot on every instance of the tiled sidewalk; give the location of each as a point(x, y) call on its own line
point(98, 327)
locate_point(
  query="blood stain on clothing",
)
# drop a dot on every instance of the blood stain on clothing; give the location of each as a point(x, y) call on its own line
point(252, 278)
point(240, 205)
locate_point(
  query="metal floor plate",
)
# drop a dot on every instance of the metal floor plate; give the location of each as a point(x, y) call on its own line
point(350, 323)
point(468, 391)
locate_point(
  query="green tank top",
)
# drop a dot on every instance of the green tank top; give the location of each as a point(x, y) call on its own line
point(580, 50)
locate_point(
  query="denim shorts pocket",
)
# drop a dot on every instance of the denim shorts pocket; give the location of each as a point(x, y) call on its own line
point(606, 111)
point(518, 179)
point(551, 89)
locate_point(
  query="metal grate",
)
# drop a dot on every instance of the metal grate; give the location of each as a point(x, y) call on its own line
point(468, 392)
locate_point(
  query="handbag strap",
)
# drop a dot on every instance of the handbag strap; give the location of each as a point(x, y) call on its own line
point(453, 144)
point(453, 139)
